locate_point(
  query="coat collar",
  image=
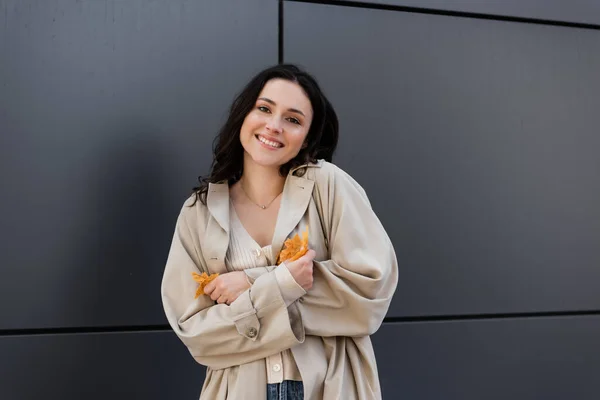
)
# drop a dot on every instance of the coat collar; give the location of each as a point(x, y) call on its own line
point(217, 202)
point(297, 192)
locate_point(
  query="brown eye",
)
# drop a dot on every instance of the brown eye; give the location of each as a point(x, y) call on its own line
point(294, 120)
point(263, 109)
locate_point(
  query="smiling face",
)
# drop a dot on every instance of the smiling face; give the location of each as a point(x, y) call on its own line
point(274, 131)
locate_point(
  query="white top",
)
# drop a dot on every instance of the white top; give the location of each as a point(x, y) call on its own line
point(244, 253)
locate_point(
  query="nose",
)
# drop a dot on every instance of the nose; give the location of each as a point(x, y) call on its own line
point(274, 125)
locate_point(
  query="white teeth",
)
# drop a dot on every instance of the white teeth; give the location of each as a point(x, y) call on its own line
point(269, 142)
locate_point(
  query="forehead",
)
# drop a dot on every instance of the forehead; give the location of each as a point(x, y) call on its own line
point(287, 94)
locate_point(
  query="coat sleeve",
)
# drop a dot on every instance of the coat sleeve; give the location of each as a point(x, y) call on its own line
point(257, 324)
point(254, 273)
point(353, 289)
point(290, 289)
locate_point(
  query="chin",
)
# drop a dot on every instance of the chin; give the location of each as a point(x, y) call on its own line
point(266, 160)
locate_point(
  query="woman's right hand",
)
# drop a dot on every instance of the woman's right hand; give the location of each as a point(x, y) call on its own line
point(302, 269)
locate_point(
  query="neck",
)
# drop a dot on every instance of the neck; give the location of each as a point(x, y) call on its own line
point(261, 184)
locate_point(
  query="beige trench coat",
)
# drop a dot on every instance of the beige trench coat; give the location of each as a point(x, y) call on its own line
point(355, 275)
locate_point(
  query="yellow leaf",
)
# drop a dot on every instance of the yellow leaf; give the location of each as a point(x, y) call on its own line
point(294, 248)
point(203, 280)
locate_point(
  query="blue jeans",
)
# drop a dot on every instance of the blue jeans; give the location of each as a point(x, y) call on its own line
point(287, 390)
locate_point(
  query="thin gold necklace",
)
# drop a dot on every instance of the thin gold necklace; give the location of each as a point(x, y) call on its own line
point(262, 206)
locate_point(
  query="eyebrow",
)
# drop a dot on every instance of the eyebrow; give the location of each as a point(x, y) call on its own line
point(289, 109)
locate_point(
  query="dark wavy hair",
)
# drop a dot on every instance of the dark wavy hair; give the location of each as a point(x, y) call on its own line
point(228, 153)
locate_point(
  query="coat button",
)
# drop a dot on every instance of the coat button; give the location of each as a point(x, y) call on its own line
point(252, 332)
point(276, 367)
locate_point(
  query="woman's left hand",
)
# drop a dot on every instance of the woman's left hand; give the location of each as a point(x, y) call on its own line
point(227, 287)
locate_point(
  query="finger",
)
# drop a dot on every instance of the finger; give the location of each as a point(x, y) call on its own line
point(221, 299)
point(310, 254)
point(208, 289)
point(215, 295)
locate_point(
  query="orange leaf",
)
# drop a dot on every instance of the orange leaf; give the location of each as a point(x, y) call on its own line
point(203, 280)
point(294, 248)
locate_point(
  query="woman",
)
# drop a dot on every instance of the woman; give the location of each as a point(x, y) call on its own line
point(300, 329)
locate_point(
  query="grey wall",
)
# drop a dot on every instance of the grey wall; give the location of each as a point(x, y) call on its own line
point(107, 114)
point(475, 136)
point(574, 11)
point(484, 137)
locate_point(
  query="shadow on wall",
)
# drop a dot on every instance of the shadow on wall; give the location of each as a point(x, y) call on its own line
point(118, 255)
point(125, 234)
point(114, 255)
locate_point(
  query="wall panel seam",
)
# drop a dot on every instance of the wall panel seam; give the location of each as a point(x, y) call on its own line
point(463, 14)
point(388, 320)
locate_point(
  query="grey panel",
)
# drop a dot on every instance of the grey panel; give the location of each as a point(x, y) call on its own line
point(524, 359)
point(152, 366)
point(548, 358)
point(107, 114)
point(578, 11)
point(477, 142)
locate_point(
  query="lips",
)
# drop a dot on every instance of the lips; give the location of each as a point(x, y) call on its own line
point(269, 142)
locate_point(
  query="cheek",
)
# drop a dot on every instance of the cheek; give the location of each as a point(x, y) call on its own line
point(296, 139)
point(251, 123)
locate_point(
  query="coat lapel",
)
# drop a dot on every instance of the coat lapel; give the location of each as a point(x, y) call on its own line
point(297, 193)
point(216, 236)
point(217, 201)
